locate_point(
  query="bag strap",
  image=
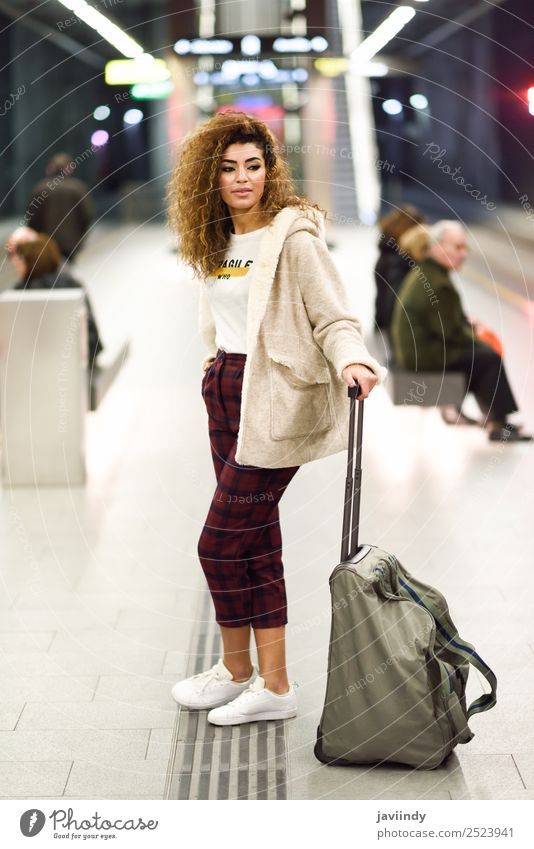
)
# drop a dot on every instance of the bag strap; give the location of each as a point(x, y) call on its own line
point(353, 481)
point(449, 638)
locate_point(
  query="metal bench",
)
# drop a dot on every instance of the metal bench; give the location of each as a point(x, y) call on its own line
point(425, 388)
point(45, 388)
point(417, 388)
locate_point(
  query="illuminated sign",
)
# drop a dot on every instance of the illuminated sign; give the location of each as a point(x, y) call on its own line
point(250, 76)
point(251, 45)
point(300, 44)
point(332, 66)
point(152, 91)
point(203, 46)
point(335, 66)
point(144, 69)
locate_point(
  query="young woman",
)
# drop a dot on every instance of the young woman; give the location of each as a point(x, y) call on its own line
point(283, 347)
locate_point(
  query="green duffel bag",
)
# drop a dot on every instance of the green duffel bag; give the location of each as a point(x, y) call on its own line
point(397, 668)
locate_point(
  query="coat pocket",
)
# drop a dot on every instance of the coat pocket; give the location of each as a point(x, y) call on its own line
point(300, 398)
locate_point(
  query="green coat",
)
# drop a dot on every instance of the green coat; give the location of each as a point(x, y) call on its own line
point(428, 328)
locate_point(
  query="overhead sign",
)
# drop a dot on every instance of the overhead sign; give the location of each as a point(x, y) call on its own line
point(249, 45)
point(152, 91)
point(300, 44)
point(203, 46)
point(332, 66)
point(144, 69)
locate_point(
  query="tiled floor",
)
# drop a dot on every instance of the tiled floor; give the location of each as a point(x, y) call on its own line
point(101, 585)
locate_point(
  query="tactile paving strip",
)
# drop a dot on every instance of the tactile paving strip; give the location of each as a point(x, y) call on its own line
point(231, 762)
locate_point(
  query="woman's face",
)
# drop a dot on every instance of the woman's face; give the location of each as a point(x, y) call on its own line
point(242, 175)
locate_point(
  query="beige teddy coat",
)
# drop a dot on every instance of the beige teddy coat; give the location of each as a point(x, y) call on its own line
point(300, 336)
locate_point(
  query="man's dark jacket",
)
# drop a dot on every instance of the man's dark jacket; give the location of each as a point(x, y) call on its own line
point(429, 329)
point(63, 279)
point(62, 210)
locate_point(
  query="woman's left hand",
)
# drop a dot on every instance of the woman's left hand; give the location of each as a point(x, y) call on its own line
point(367, 379)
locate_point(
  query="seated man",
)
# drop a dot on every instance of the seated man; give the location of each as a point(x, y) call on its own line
point(430, 332)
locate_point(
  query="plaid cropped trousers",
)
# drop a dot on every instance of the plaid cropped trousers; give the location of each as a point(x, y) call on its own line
point(240, 547)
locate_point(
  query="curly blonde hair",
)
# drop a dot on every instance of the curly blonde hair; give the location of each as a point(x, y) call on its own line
point(196, 210)
point(416, 242)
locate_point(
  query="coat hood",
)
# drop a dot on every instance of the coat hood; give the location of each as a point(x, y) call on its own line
point(309, 219)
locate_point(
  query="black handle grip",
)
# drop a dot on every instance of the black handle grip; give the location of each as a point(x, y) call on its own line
point(353, 481)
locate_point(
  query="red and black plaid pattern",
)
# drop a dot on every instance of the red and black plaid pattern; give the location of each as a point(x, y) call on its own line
point(240, 547)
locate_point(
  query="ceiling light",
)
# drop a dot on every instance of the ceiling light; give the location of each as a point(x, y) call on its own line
point(387, 30)
point(250, 45)
point(375, 69)
point(99, 138)
point(101, 113)
point(300, 75)
point(267, 69)
point(133, 116)
point(418, 101)
point(392, 106)
point(319, 43)
point(112, 33)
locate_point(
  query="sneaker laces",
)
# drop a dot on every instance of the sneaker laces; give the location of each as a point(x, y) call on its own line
point(246, 696)
point(216, 673)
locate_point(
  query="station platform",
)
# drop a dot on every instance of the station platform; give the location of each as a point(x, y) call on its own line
point(104, 605)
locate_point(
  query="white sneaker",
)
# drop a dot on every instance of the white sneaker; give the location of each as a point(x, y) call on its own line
point(254, 704)
point(210, 689)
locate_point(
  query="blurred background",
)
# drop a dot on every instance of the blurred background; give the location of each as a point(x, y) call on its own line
point(376, 104)
point(454, 75)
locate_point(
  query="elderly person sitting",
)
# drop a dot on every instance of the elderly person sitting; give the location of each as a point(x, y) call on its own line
point(431, 333)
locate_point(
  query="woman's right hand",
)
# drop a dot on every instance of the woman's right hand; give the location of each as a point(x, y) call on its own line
point(363, 375)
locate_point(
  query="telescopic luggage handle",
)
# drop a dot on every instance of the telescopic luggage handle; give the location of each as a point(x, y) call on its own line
point(353, 481)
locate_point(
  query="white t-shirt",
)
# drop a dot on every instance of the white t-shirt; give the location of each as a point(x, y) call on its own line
point(228, 287)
